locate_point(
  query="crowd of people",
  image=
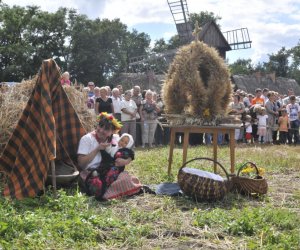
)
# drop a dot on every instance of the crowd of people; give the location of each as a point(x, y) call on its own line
point(137, 110)
point(267, 117)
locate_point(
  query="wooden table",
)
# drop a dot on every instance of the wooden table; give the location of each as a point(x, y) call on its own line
point(214, 130)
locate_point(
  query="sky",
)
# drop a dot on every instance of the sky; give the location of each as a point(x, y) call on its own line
point(271, 24)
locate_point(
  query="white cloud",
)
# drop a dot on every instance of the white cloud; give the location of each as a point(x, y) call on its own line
point(271, 24)
point(134, 12)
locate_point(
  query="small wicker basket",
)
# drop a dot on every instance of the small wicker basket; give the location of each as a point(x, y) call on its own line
point(246, 185)
point(203, 188)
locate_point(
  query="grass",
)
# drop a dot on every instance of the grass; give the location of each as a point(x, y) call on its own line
point(75, 221)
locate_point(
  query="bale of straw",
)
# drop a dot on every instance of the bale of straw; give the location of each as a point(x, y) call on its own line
point(78, 99)
point(14, 99)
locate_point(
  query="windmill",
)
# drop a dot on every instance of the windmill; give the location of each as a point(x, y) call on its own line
point(210, 33)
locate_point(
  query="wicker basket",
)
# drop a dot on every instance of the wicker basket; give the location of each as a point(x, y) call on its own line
point(247, 185)
point(205, 185)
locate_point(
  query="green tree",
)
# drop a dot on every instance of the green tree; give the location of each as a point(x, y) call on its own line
point(279, 62)
point(28, 36)
point(260, 67)
point(97, 49)
point(203, 17)
point(89, 49)
point(160, 45)
point(294, 70)
point(13, 48)
point(135, 45)
point(174, 42)
point(241, 66)
point(47, 34)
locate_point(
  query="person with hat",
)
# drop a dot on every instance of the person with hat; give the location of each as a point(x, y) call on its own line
point(91, 86)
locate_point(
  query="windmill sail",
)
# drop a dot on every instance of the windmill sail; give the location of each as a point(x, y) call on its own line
point(180, 13)
point(238, 38)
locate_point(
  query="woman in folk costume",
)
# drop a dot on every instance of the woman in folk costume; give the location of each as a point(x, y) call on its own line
point(90, 147)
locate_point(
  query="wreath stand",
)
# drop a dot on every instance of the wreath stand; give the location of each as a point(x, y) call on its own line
point(214, 130)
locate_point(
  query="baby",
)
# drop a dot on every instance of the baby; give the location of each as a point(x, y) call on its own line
point(122, 149)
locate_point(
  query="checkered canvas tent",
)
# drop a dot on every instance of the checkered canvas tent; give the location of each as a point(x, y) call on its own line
point(48, 129)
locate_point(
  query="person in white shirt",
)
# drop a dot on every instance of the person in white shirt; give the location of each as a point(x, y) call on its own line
point(293, 110)
point(116, 100)
point(120, 88)
point(265, 95)
point(128, 115)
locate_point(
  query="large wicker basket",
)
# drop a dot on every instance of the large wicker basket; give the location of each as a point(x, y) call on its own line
point(203, 185)
point(246, 185)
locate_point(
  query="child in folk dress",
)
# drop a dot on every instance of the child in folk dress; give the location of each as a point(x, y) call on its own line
point(248, 129)
point(262, 125)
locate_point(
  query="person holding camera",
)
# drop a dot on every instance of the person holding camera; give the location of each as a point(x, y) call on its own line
point(148, 111)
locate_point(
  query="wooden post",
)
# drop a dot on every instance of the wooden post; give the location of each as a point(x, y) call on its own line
point(185, 145)
point(172, 142)
point(232, 149)
point(215, 149)
point(53, 177)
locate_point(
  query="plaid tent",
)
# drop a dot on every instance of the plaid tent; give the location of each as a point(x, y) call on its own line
point(48, 129)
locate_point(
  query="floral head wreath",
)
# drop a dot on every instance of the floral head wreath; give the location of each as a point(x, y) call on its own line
point(110, 118)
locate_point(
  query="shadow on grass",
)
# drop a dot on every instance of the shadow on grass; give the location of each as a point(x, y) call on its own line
point(230, 201)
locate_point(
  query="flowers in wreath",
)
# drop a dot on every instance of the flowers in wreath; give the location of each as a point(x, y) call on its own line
point(110, 118)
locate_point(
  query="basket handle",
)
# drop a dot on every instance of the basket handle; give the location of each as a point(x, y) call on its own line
point(208, 159)
point(245, 164)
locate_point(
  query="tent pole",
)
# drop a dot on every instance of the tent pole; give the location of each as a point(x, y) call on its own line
point(53, 177)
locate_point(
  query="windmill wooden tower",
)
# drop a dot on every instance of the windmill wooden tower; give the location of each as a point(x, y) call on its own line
point(210, 33)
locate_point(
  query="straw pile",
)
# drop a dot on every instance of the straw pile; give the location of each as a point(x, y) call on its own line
point(12, 102)
point(197, 84)
point(78, 99)
point(14, 99)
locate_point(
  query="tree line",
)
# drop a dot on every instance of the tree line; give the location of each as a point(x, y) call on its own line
point(92, 50)
point(97, 50)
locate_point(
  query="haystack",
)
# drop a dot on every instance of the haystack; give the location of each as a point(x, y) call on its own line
point(198, 84)
point(14, 99)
